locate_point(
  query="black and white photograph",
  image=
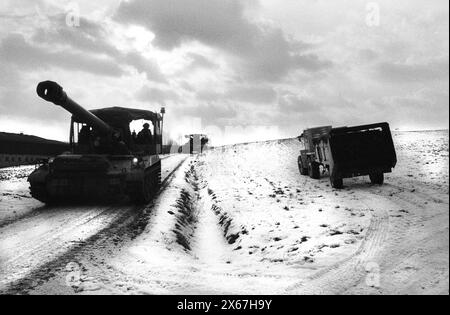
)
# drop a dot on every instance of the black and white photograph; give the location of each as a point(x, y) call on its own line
point(203, 149)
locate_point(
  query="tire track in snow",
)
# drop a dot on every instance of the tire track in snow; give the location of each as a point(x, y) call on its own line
point(56, 240)
point(383, 232)
point(42, 208)
point(345, 273)
point(60, 253)
point(420, 215)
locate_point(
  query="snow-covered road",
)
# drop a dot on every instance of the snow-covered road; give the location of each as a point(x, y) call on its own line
point(240, 219)
point(41, 234)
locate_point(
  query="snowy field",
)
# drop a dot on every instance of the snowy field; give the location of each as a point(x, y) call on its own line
point(241, 219)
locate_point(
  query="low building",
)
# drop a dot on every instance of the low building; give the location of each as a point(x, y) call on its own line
point(20, 149)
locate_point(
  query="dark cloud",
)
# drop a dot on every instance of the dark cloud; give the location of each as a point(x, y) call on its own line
point(186, 86)
point(93, 39)
point(432, 71)
point(209, 95)
point(367, 55)
point(87, 37)
point(289, 102)
point(156, 95)
point(311, 62)
point(258, 52)
point(417, 111)
point(246, 94)
point(143, 65)
point(211, 114)
point(14, 49)
point(18, 99)
point(210, 21)
point(199, 61)
point(256, 95)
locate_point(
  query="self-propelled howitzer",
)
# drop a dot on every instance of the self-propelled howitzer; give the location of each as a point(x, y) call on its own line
point(105, 158)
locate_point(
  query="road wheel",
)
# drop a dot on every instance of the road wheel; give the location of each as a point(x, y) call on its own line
point(314, 170)
point(336, 182)
point(146, 190)
point(377, 178)
point(156, 176)
point(303, 170)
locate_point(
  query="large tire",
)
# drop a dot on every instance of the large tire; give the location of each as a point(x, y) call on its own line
point(377, 178)
point(336, 182)
point(303, 170)
point(314, 170)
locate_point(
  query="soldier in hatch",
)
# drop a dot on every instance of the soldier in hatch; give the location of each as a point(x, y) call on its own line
point(145, 135)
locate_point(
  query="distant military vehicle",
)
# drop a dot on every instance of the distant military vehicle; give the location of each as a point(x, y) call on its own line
point(347, 152)
point(196, 144)
point(105, 158)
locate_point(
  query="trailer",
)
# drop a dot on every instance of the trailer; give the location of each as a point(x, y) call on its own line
point(347, 152)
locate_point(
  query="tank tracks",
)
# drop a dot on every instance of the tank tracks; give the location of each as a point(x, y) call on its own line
point(145, 191)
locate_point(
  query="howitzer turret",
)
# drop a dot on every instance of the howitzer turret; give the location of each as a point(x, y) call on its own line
point(53, 92)
point(106, 159)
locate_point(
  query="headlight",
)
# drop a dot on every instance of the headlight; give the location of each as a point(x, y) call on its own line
point(135, 161)
point(50, 160)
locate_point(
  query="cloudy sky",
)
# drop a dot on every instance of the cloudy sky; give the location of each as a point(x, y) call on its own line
point(238, 70)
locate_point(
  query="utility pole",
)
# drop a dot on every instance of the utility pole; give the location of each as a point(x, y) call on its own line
point(163, 111)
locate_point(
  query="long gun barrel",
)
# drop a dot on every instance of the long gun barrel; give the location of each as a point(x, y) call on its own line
point(53, 92)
